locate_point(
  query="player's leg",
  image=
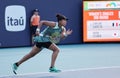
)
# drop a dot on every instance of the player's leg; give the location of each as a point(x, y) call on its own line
point(35, 50)
point(55, 50)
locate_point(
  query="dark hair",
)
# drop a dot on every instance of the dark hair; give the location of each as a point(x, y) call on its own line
point(61, 17)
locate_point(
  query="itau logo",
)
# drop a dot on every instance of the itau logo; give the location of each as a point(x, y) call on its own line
point(15, 18)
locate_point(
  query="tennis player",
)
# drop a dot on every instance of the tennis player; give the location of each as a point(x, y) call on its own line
point(52, 34)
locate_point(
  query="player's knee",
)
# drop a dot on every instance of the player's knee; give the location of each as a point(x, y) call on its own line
point(57, 50)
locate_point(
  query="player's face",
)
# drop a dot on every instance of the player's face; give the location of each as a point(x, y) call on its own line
point(63, 22)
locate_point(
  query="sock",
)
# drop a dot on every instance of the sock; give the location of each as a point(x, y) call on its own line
point(16, 64)
point(51, 67)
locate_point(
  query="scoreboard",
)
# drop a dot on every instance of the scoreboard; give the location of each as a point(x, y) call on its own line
point(101, 21)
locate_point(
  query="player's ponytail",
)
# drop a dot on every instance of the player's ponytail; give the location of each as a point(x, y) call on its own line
point(57, 15)
point(60, 17)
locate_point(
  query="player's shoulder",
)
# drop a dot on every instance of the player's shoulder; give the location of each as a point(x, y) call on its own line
point(63, 28)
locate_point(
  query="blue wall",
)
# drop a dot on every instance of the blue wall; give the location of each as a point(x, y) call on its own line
point(48, 9)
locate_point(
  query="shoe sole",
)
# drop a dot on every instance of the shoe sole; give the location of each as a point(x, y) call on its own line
point(55, 71)
point(14, 72)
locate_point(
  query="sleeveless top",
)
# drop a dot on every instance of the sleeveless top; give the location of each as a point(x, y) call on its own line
point(50, 34)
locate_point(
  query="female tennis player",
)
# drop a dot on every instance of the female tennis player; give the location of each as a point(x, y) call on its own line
point(48, 39)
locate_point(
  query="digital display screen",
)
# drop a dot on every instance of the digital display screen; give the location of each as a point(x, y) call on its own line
point(101, 21)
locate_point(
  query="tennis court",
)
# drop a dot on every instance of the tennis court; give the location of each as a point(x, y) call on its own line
point(75, 59)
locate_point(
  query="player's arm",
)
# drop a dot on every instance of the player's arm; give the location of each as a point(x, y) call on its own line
point(65, 32)
point(47, 23)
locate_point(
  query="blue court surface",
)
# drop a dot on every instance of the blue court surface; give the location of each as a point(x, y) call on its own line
point(72, 57)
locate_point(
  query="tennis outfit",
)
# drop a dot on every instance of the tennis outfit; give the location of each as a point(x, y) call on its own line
point(44, 40)
point(48, 36)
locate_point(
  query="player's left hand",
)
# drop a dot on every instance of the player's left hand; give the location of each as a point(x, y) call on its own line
point(69, 32)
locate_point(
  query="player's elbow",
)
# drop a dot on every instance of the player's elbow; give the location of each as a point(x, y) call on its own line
point(43, 22)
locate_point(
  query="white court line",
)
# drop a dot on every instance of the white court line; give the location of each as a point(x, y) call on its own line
point(98, 72)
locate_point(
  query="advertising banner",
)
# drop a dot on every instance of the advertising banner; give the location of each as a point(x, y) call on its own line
point(101, 21)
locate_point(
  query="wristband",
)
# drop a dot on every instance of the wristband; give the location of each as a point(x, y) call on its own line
point(65, 34)
point(38, 30)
